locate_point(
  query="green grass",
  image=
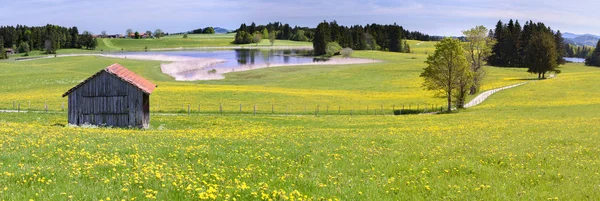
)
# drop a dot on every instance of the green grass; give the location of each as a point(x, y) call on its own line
point(350, 88)
point(534, 142)
point(177, 41)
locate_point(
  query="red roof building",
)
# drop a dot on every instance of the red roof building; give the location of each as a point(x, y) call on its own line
point(114, 96)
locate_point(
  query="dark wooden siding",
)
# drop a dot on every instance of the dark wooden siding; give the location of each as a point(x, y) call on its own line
point(110, 101)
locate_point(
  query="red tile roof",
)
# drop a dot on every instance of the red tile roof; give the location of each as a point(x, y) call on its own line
point(123, 74)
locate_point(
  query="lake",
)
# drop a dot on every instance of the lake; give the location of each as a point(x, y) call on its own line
point(243, 57)
point(575, 60)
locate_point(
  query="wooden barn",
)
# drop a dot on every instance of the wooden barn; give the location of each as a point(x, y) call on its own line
point(114, 96)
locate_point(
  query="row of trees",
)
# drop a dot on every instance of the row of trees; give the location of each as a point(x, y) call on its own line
point(373, 36)
point(36, 37)
point(47, 38)
point(577, 51)
point(513, 41)
point(594, 58)
point(207, 30)
point(370, 37)
point(456, 68)
point(158, 33)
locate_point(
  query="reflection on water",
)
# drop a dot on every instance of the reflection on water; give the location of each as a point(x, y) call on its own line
point(244, 57)
point(240, 59)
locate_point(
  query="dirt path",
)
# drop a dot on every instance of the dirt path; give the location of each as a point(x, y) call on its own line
point(481, 97)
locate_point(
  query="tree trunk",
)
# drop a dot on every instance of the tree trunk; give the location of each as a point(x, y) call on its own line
point(539, 75)
point(544, 75)
point(449, 101)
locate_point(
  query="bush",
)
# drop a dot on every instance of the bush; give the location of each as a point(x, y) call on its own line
point(185, 35)
point(332, 48)
point(346, 52)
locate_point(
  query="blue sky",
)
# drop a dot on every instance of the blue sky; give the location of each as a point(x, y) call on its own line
point(444, 18)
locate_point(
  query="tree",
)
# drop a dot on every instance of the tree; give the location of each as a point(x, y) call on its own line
point(128, 33)
point(208, 30)
point(104, 34)
point(405, 47)
point(3, 54)
point(594, 58)
point(136, 35)
point(242, 37)
point(299, 36)
point(48, 47)
point(256, 38)
point(158, 33)
point(148, 34)
point(322, 37)
point(24, 48)
point(272, 37)
point(560, 48)
point(447, 71)
point(265, 33)
point(332, 48)
point(541, 55)
point(479, 48)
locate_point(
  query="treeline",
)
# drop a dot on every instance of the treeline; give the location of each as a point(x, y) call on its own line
point(207, 30)
point(513, 40)
point(370, 37)
point(48, 38)
point(276, 30)
point(577, 51)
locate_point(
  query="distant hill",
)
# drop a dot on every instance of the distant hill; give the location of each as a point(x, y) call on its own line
point(583, 39)
point(220, 30)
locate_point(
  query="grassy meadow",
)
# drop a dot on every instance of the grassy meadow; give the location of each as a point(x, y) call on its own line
point(533, 142)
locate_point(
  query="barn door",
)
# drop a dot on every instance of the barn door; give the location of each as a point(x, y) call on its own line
point(106, 110)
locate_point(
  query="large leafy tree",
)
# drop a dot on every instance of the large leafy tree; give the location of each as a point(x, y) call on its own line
point(594, 58)
point(448, 71)
point(541, 56)
point(479, 48)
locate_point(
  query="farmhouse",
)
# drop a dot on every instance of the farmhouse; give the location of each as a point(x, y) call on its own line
point(114, 96)
point(10, 51)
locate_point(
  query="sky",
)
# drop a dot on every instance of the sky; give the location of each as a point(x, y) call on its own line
point(434, 17)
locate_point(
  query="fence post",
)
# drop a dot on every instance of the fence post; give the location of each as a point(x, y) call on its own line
point(221, 108)
point(188, 110)
point(327, 112)
point(46, 107)
point(272, 109)
point(198, 108)
point(19, 108)
point(63, 106)
point(254, 109)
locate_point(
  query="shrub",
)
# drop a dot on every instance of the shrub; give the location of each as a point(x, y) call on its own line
point(346, 52)
point(332, 48)
point(185, 35)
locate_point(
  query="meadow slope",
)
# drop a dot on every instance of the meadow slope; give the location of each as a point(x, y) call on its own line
point(533, 142)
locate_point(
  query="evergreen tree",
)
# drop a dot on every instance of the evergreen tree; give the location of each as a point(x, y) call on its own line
point(594, 58)
point(560, 47)
point(322, 37)
point(541, 56)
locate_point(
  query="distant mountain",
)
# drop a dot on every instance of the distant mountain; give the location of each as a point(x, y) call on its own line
point(583, 39)
point(220, 30)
